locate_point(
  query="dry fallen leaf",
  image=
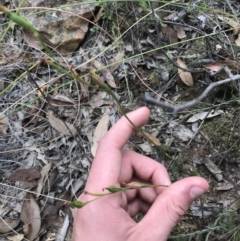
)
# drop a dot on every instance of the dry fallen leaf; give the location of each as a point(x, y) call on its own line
point(231, 22)
point(50, 214)
point(84, 87)
point(100, 131)
point(18, 237)
point(98, 15)
point(3, 125)
point(60, 126)
point(30, 215)
point(51, 178)
point(7, 224)
point(51, 220)
point(214, 169)
point(169, 17)
point(31, 40)
point(180, 32)
point(116, 61)
point(44, 175)
point(186, 77)
point(31, 116)
point(204, 114)
point(24, 175)
point(170, 34)
point(237, 41)
point(154, 139)
point(106, 73)
point(60, 100)
point(97, 99)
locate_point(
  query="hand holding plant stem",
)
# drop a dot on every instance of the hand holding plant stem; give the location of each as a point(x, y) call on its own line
point(112, 190)
point(110, 217)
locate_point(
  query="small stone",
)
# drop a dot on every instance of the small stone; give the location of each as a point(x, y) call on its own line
point(62, 25)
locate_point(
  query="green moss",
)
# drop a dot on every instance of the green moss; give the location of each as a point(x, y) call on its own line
point(223, 133)
point(177, 168)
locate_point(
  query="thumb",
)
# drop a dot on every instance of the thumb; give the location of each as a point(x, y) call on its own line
point(170, 205)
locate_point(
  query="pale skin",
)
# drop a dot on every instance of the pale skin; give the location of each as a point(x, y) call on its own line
point(110, 218)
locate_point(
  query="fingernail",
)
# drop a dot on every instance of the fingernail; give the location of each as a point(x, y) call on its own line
point(196, 192)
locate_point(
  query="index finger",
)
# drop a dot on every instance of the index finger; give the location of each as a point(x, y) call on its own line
point(106, 165)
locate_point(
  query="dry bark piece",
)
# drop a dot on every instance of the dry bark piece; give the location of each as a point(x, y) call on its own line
point(63, 25)
point(30, 215)
point(100, 131)
point(24, 175)
point(8, 224)
point(3, 125)
point(186, 77)
point(64, 128)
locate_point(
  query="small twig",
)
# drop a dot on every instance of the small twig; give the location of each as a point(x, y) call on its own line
point(176, 108)
point(228, 71)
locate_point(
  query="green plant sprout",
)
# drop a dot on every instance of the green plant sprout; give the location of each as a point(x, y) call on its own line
point(112, 190)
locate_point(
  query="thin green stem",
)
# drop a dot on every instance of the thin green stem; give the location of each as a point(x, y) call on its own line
point(113, 190)
point(10, 23)
point(18, 78)
point(26, 25)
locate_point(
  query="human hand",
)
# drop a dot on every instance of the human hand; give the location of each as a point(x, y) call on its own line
point(110, 217)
